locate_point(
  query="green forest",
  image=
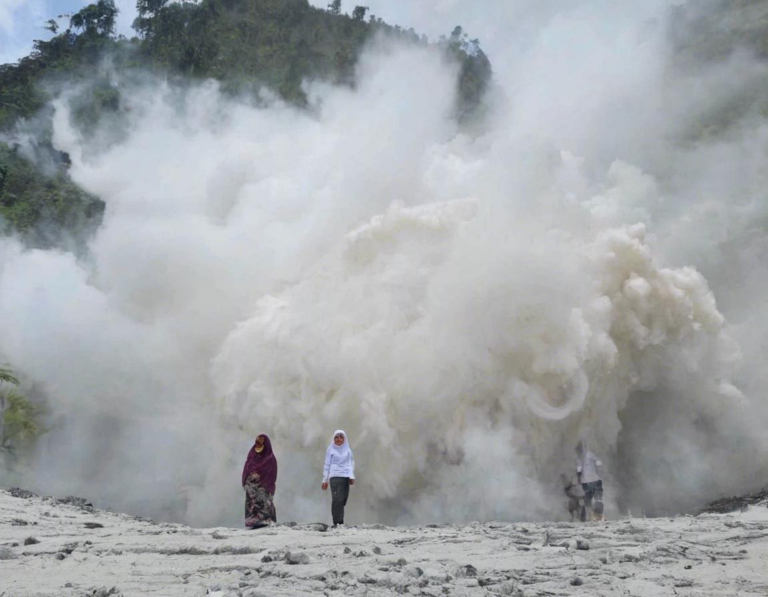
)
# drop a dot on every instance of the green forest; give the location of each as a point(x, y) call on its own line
point(244, 44)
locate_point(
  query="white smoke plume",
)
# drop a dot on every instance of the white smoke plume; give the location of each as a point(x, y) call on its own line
point(465, 307)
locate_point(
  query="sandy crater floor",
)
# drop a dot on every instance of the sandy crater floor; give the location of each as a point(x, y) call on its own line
point(52, 548)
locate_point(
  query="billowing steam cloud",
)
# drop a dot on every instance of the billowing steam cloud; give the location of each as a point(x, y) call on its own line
point(466, 307)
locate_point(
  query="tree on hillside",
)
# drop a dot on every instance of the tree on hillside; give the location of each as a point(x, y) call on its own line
point(17, 415)
point(358, 14)
point(335, 7)
point(96, 19)
point(148, 10)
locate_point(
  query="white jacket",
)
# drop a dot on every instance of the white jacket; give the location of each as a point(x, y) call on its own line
point(587, 466)
point(339, 461)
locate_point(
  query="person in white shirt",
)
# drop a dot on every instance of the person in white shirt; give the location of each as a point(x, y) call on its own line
point(339, 471)
point(587, 465)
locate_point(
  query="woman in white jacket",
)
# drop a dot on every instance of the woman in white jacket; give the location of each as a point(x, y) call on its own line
point(339, 470)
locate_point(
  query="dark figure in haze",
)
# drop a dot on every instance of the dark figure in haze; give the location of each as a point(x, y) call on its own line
point(587, 465)
point(259, 479)
point(575, 495)
point(339, 469)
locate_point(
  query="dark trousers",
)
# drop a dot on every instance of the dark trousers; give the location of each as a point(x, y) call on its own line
point(339, 497)
point(592, 490)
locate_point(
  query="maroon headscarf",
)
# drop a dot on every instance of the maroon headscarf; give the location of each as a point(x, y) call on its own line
point(264, 464)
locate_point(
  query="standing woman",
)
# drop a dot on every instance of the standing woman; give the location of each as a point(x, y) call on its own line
point(339, 469)
point(259, 479)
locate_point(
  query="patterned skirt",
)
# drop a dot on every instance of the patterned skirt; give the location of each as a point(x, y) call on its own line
point(259, 507)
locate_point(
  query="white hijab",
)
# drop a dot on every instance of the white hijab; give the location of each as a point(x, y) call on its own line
point(344, 448)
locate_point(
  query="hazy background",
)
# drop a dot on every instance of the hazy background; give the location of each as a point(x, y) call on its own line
point(589, 265)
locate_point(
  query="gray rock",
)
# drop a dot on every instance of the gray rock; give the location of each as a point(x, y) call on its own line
point(21, 493)
point(582, 544)
point(105, 592)
point(413, 571)
point(377, 550)
point(295, 559)
point(31, 541)
point(576, 582)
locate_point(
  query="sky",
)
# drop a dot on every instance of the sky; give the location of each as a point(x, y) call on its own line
point(21, 22)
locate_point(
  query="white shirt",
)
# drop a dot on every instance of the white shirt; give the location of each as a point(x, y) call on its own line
point(587, 466)
point(338, 464)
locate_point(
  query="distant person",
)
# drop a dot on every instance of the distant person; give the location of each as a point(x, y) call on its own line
point(574, 494)
point(259, 479)
point(339, 470)
point(587, 465)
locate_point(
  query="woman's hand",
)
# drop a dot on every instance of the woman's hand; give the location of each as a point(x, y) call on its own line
point(351, 481)
point(325, 485)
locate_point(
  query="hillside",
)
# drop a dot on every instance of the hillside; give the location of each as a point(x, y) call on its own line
point(244, 44)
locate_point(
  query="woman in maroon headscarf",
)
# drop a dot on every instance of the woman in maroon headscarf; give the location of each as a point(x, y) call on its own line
point(259, 478)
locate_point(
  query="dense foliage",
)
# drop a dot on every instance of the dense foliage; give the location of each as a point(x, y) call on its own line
point(18, 417)
point(243, 43)
point(45, 209)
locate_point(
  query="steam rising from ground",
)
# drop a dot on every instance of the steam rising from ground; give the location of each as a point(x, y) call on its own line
point(465, 307)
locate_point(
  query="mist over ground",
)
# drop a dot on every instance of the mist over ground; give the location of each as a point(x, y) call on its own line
point(466, 304)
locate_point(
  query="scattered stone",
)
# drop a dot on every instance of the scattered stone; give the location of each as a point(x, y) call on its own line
point(377, 550)
point(68, 548)
point(401, 562)
point(296, 558)
point(576, 582)
point(687, 566)
point(104, 592)
point(361, 554)
point(217, 535)
point(320, 527)
point(68, 585)
point(93, 525)
point(31, 541)
point(468, 571)
point(77, 502)
point(468, 582)
point(733, 504)
point(347, 550)
point(509, 588)
point(21, 493)
point(413, 571)
point(683, 583)
point(582, 544)
point(18, 522)
point(603, 560)
point(266, 558)
point(6, 553)
point(60, 556)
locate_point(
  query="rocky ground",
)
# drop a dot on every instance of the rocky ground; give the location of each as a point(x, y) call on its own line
point(66, 547)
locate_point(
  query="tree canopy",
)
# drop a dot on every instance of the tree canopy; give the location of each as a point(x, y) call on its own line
point(242, 43)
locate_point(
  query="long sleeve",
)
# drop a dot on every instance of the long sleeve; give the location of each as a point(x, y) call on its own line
point(578, 465)
point(327, 465)
point(351, 465)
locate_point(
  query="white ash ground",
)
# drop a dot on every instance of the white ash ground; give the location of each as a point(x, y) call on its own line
point(67, 549)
